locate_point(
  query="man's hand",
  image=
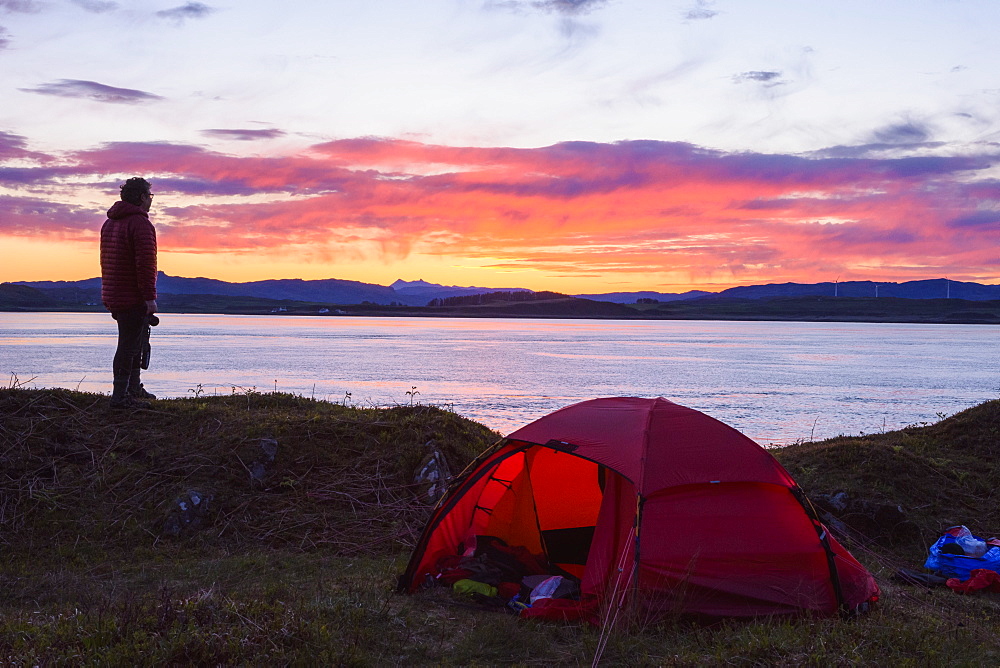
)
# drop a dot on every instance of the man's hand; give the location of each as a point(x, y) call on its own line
point(151, 307)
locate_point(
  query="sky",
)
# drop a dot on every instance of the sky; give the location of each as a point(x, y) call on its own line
point(580, 146)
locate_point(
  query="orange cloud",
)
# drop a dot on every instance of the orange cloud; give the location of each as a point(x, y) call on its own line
point(594, 213)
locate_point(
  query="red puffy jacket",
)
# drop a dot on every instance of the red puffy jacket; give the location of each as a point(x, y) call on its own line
point(128, 258)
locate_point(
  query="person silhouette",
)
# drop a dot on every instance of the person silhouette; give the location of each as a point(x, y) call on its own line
point(128, 287)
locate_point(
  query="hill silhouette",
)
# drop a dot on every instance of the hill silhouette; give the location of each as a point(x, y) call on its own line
point(419, 293)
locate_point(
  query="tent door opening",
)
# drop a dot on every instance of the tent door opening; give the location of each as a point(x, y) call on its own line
point(549, 502)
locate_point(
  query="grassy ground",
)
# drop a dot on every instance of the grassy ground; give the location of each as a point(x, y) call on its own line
point(294, 559)
point(943, 474)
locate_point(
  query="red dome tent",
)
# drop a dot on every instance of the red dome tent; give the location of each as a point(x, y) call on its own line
point(657, 508)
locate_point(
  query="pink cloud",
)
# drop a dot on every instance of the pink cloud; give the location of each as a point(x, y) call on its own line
point(37, 217)
point(574, 208)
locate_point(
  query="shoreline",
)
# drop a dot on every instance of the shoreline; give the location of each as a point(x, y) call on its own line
point(408, 312)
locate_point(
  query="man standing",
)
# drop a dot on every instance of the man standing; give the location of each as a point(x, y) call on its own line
point(128, 286)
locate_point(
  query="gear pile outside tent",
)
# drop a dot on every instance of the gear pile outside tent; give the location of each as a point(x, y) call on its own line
point(656, 509)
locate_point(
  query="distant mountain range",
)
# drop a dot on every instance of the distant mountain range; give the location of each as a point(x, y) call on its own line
point(937, 288)
point(419, 293)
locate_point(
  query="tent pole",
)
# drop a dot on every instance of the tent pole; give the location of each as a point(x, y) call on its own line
point(637, 555)
point(824, 538)
point(616, 600)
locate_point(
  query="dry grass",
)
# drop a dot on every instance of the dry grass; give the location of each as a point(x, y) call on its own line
point(295, 562)
point(942, 474)
point(72, 471)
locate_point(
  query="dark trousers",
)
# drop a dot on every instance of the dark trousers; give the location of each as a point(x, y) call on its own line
point(131, 328)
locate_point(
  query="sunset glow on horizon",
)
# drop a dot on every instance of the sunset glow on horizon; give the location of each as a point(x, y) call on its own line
point(531, 181)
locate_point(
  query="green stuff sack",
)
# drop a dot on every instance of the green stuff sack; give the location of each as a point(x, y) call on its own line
point(470, 587)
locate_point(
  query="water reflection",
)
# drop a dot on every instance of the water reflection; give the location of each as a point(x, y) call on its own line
point(777, 382)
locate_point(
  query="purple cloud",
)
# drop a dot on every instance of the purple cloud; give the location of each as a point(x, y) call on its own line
point(979, 219)
point(92, 90)
point(764, 77)
point(244, 135)
point(760, 204)
point(192, 10)
point(875, 151)
point(4, 39)
point(700, 12)
point(11, 145)
point(96, 6)
point(194, 170)
point(910, 132)
point(927, 166)
point(856, 235)
point(29, 216)
point(14, 146)
point(21, 6)
point(571, 7)
point(201, 186)
point(21, 176)
point(570, 169)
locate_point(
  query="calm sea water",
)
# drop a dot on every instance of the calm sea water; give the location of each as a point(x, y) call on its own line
point(776, 382)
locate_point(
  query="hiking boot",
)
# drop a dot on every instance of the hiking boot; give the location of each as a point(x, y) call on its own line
point(129, 403)
point(140, 393)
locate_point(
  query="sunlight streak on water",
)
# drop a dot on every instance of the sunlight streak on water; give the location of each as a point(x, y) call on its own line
point(776, 382)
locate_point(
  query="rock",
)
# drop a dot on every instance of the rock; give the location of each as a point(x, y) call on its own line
point(836, 501)
point(268, 451)
point(434, 473)
point(187, 513)
point(865, 520)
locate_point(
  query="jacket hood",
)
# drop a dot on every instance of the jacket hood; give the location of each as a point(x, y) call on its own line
point(121, 210)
